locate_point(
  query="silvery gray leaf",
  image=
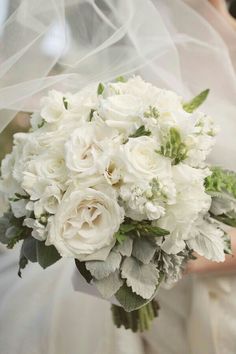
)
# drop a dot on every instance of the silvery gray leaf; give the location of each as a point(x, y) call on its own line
point(125, 248)
point(100, 255)
point(110, 285)
point(142, 278)
point(143, 250)
point(101, 269)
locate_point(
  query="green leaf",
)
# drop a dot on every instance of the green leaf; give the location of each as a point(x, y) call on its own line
point(110, 285)
point(221, 181)
point(227, 243)
point(83, 271)
point(143, 250)
point(125, 248)
point(121, 79)
point(65, 102)
point(142, 278)
point(91, 114)
point(225, 219)
point(120, 237)
point(101, 269)
point(154, 231)
point(46, 255)
point(128, 299)
point(197, 101)
point(23, 261)
point(29, 249)
point(40, 125)
point(141, 131)
point(100, 89)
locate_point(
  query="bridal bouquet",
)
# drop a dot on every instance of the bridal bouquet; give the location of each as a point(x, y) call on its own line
point(115, 177)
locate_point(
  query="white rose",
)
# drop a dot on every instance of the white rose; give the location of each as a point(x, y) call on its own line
point(122, 112)
point(88, 148)
point(43, 170)
point(85, 222)
point(141, 160)
point(49, 201)
point(53, 107)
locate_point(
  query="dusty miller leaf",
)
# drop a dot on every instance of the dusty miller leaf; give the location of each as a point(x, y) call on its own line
point(110, 285)
point(142, 278)
point(125, 248)
point(143, 250)
point(101, 269)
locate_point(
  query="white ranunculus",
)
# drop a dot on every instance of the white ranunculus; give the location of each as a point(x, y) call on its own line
point(141, 160)
point(88, 148)
point(85, 222)
point(122, 112)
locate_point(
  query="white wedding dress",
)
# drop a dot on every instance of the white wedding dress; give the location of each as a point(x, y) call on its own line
point(41, 313)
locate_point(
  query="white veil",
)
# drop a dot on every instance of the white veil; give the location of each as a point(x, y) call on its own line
point(67, 44)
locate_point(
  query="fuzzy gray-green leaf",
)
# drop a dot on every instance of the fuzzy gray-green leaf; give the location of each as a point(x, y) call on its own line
point(143, 250)
point(101, 269)
point(110, 285)
point(142, 278)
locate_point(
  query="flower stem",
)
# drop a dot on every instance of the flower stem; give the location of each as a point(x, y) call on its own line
point(139, 320)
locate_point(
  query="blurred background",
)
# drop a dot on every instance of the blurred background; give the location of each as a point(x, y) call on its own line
point(50, 46)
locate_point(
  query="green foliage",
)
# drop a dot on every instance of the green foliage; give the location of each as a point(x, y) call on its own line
point(91, 114)
point(226, 219)
point(197, 101)
point(40, 125)
point(100, 89)
point(46, 255)
point(12, 230)
point(134, 229)
point(141, 131)
point(152, 112)
point(121, 79)
point(83, 271)
point(129, 300)
point(227, 243)
point(174, 148)
point(221, 181)
point(65, 102)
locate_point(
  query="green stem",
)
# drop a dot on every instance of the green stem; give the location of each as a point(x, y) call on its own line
point(138, 320)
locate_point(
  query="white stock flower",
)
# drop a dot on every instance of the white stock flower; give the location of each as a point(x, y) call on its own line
point(85, 222)
point(49, 201)
point(141, 160)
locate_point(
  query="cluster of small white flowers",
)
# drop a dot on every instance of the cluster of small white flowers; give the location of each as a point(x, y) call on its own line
point(95, 157)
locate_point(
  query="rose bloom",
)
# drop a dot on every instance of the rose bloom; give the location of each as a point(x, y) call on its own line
point(85, 222)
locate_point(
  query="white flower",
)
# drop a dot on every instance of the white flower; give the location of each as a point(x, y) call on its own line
point(85, 221)
point(39, 231)
point(43, 170)
point(87, 150)
point(141, 160)
point(139, 204)
point(49, 201)
point(53, 107)
point(122, 112)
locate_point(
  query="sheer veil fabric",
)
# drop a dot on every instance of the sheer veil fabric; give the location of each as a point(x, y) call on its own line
point(180, 45)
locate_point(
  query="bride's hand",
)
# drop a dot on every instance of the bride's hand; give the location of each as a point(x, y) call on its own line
point(221, 6)
point(202, 265)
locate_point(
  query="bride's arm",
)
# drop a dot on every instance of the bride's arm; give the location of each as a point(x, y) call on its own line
point(221, 6)
point(201, 265)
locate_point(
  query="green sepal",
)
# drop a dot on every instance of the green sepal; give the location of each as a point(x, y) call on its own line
point(65, 102)
point(121, 79)
point(197, 101)
point(141, 131)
